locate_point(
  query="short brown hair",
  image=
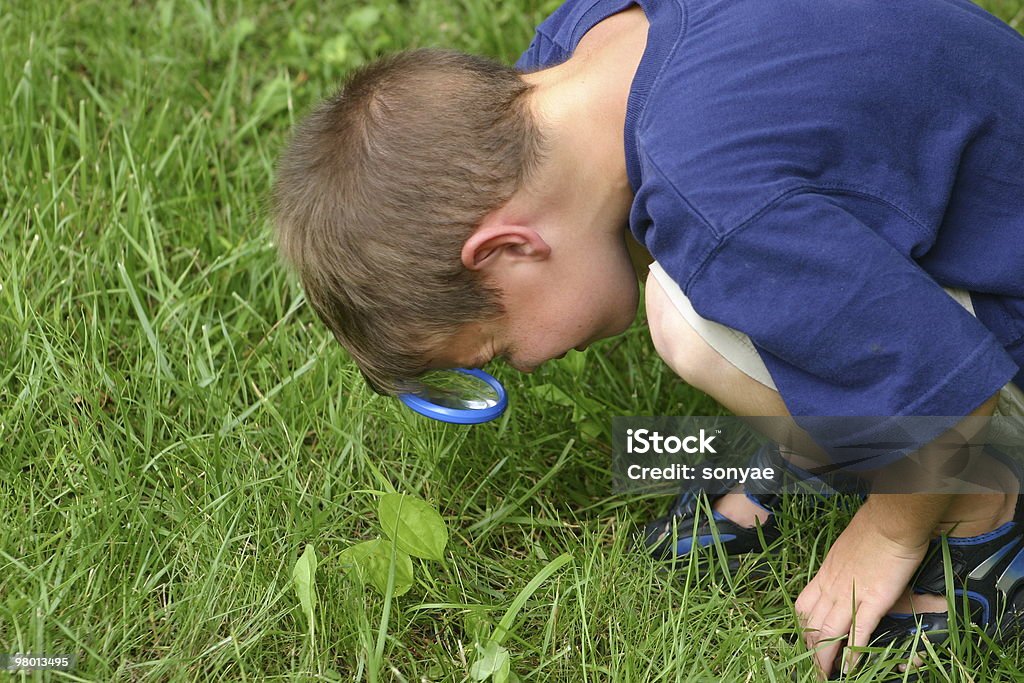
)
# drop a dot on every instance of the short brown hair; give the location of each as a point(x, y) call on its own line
point(381, 186)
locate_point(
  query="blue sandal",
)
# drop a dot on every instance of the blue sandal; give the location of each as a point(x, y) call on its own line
point(681, 530)
point(988, 577)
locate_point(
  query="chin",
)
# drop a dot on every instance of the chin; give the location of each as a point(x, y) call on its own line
point(623, 326)
point(622, 322)
point(627, 313)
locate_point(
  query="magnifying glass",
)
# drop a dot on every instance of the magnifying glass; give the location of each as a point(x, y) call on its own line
point(460, 396)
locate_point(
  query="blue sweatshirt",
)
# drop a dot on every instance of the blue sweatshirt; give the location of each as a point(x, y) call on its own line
point(813, 172)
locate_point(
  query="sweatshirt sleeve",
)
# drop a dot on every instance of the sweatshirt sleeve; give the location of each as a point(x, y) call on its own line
point(847, 324)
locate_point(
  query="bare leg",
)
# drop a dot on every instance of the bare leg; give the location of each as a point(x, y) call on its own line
point(700, 365)
point(703, 367)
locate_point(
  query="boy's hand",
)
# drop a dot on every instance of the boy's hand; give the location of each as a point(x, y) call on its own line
point(863, 575)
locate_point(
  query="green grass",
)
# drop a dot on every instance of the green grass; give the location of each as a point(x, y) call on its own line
point(175, 426)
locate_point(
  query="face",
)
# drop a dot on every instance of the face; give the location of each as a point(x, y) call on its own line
point(576, 296)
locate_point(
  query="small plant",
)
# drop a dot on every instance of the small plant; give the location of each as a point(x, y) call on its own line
point(304, 579)
point(493, 659)
point(413, 529)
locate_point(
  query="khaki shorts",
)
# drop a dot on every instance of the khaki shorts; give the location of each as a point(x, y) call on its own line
point(737, 348)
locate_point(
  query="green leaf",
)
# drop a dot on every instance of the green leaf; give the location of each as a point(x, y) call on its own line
point(271, 98)
point(370, 561)
point(476, 624)
point(362, 19)
point(575, 362)
point(590, 427)
point(493, 661)
point(413, 525)
point(336, 50)
point(166, 10)
point(552, 394)
point(242, 29)
point(502, 674)
point(304, 577)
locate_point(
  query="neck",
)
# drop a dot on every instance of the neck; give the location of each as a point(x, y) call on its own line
point(580, 107)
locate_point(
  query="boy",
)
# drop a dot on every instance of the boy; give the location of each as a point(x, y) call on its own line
point(809, 173)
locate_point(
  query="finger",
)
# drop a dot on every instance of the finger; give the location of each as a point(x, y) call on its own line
point(828, 627)
point(806, 602)
point(832, 636)
point(815, 619)
point(916, 662)
point(865, 621)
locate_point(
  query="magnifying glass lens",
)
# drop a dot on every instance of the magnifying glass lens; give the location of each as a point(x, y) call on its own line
point(458, 396)
point(459, 391)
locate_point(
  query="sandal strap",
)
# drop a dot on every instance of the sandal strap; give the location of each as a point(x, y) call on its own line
point(988, 568)
point(761, 491)
point(685, 524)
point(895, 628)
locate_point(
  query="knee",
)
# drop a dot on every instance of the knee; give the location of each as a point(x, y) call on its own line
point(680, 346)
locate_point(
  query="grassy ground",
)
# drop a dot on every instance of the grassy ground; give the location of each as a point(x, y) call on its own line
point(175, 427)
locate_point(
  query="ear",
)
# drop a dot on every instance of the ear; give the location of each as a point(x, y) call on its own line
point(495, 240)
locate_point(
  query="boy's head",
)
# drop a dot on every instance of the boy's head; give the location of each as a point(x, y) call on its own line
point(392, 203)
